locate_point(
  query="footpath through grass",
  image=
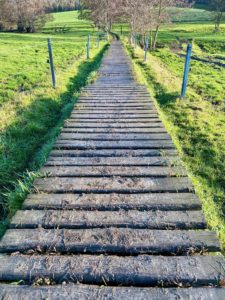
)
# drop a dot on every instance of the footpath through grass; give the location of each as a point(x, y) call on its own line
point(197, 124)
point(31, 111)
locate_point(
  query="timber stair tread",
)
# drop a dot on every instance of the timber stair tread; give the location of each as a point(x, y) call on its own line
point(80, 292)
point(113, 214)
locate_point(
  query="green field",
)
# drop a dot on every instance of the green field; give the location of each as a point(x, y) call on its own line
point(31, 111)
point(197, 124)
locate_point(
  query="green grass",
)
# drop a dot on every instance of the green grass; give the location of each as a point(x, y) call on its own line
point(197, 124)
point(31, 111)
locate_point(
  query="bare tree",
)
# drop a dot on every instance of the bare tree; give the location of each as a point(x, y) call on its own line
point(103, 12)
point(23, 13)
point(218, 8)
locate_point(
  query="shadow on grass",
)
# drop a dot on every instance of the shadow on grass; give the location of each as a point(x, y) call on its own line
point(163, 97)
point(26, 143)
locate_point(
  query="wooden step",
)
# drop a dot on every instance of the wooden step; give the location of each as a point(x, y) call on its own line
point(143, 270)
point(66, 170)
point(113, 153)
point(114, 136)
point(115, 120)
point(116, 130)
point(122, 241)
point(114, 117)
point(96, 145)
point(128, 125)
point(109, 111)
point(91, 292)
point(103, 219)
point(111, 185)
point(110, 161)
point(111, 202)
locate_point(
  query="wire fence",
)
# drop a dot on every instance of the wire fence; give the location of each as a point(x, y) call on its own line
point(33, 64)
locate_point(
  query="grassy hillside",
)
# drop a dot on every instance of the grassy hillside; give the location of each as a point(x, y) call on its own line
point(31, 111)
point(197, 124)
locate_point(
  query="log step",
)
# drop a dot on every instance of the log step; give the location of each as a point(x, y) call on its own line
point(101, 219)
point(128, 125)
point(118, 111)
point(90, 292)
point(110, 161)
point(113, 153)
point(114, 137)
point(122, 241)
point(66, 170)
point(113, 119)
point(144, 270)
point(113, 202)
point(111, 185)
point(134, 145)
point(110, 130)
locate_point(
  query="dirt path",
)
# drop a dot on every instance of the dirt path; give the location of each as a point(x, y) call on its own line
point(115, 215)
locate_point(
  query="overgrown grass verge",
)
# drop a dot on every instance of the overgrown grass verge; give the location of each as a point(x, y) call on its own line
point(197, 129)
point(29, 128)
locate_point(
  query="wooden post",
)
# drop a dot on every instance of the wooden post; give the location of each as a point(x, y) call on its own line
point(88, 46)
point(146, 47)
point(51, 62)
point(186, 71)
point(121, 30)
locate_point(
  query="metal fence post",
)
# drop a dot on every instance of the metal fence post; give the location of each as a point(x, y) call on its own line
point(186, 71)
point(51, 63)
point(146, 47)
point(98, 40)
point(135, 40)
point(88, 46)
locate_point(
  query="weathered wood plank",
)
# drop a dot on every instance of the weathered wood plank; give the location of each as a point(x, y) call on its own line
point(113, 107)
point(128, 125)
point(114, 117)
point(111, 161)
point(115, 120)
point(114, 136)
point(84, 292)
point(113, 153)
point(102, 219)
point(111, 241)
point(108, 171)
point(111, 202)
point(109, 111)
point(143, 270)
point(111, 130)
point(96, 145)
point(110, 185)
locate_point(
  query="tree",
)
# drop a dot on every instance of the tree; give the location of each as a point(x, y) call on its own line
point(218, 8)
point(24, 14)
point(103, 12)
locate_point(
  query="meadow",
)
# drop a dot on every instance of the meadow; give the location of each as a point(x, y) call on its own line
point(31, 111)
point(197, 123)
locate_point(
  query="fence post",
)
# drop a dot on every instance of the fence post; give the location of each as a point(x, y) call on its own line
point(51, 63)
point(121, 30)
point(135, 40)
point(186, 71)
point(98, 40)
point(88, 47)
point(146, 47)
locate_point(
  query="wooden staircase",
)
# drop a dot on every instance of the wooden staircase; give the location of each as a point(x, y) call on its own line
point(115, 215)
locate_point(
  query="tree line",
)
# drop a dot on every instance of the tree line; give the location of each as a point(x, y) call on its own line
point(28, 15)
point(145, 17)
